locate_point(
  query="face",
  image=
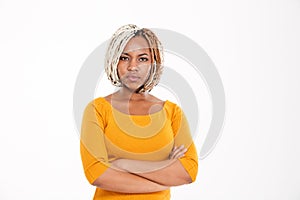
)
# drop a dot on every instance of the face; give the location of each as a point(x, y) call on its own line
point(135, 63)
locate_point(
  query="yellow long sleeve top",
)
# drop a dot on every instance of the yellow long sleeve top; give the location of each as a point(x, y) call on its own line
point(108, 134)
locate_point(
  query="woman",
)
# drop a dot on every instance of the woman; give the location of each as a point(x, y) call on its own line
point(134, 145)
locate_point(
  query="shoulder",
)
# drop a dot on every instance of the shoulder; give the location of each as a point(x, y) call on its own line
point(99, 104)
point(172, 108)
point(172, 105)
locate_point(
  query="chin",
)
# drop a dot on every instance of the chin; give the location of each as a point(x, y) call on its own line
point(133, 86)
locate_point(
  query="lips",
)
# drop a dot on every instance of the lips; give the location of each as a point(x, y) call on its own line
point(133, 78)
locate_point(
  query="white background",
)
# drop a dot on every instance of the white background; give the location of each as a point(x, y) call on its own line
point(254, 44)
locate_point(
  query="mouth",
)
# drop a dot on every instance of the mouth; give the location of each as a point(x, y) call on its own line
point(133, 78)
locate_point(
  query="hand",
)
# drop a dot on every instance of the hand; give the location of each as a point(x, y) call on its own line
point(177, 152)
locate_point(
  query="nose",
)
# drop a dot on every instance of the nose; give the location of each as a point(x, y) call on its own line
point(133, 65)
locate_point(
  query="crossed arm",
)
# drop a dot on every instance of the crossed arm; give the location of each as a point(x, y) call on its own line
point(134, 176)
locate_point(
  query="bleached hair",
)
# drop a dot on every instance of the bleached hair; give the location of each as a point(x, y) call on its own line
point(116, 47)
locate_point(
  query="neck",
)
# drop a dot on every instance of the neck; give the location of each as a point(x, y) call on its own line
point(130, 95)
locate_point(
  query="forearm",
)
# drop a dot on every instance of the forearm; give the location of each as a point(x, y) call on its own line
point(124, 182)
point(167, 172)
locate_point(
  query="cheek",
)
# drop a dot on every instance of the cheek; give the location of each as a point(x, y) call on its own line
point(145, 72)
point(147, 69)
point(121, 70)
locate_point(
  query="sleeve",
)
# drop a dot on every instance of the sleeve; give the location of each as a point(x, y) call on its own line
point(182, 136)
point(92, 146)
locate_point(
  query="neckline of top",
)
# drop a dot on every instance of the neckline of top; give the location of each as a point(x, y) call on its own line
point(151, 114)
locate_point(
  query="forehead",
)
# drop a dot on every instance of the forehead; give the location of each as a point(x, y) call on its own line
point(137, 43)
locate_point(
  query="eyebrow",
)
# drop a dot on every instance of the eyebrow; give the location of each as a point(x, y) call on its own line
point(142, 54)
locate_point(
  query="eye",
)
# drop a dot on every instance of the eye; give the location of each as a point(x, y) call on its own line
point(123, 58)
point(143, 59)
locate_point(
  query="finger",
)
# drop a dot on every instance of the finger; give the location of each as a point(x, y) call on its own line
point(172, 152)
point(179, 152)
point(174, 148)
point(179, 149)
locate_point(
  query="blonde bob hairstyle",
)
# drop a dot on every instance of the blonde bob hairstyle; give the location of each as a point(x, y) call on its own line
point(116, 47)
